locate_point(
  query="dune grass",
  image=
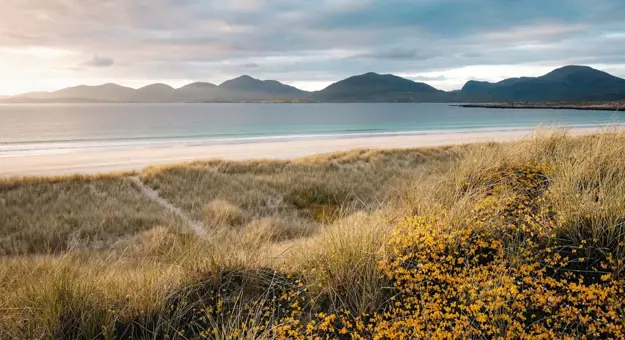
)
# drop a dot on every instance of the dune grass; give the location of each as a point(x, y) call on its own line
point(52, 216)
point(318, 188)
point(512, 240)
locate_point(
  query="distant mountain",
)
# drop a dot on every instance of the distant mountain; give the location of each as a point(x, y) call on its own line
point(196, 92)
point(373, 87)
point(244, 88)
point(154, 93)
point(198, 86)
point(68, 100)
point(248, 88)
point(569, 83)
point(105, 92)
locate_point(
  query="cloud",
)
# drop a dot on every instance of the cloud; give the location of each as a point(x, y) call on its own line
point(428, 78)
point(98, 61)
point(397, 54)
point(301, 41)
point(534, 32)
point(472, 55)
point(249, 65)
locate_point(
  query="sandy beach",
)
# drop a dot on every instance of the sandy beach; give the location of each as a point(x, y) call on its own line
point(103, 160)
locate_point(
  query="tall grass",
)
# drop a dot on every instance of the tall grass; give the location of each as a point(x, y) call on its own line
point(290, 245)
point(340, 263)
point(58, 215)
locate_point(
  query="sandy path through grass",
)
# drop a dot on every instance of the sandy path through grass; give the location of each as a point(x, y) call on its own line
point(196, 226)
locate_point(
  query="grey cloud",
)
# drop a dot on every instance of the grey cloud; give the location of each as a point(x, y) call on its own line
point(426, 78)
point(249, 65)
point(397, 54)
point(98, 61)
point(472, 55)
point(325, 39)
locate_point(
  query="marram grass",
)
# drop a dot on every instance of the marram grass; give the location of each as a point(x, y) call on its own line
point(519, 240)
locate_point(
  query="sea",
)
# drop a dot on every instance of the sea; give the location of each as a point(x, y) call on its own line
point(56, 128)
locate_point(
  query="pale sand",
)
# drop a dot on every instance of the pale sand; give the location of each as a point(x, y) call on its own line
point(101, 160)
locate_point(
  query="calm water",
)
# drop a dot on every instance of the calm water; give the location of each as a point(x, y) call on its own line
point(49, 127)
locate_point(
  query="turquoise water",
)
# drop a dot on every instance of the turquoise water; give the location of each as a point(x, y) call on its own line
point(41, 127)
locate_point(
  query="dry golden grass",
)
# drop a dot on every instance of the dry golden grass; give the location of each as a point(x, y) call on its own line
point(91, 257)
point(340, 263)
point(220, 213)
point(56, 215)
point(255, 211)
point(317, 188)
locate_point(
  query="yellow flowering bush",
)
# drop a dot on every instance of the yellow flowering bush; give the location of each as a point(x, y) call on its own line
point(504, 273)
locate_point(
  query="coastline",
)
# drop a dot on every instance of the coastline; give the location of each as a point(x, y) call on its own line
point(107, 160)
point(612, 106)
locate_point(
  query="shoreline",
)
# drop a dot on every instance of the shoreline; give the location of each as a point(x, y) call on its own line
point(108, 160)
point(18, 149)
point(528, 106)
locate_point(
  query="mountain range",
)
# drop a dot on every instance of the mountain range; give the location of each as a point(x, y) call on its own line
point(568, 83)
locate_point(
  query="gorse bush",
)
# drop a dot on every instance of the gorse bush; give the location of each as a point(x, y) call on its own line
point(500, 241)
point(504, 274)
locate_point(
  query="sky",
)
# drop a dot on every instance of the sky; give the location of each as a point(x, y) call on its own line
point(50, 44)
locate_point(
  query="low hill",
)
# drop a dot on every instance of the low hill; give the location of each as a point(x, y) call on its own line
point(240, 89)
point(105, 92)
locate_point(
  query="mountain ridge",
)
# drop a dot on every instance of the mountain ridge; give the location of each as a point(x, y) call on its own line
point(374, 87)
point(567, 83)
